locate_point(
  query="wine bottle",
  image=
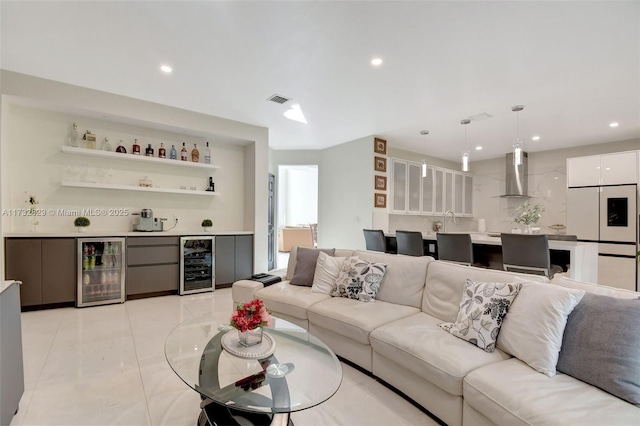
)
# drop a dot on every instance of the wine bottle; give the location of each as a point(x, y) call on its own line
point(173, 154)
point(148, 151)
point(207, 155)
point(136, 147)
point(195, 154)
point(121, 148)
point(183, 152)
point(162, 153)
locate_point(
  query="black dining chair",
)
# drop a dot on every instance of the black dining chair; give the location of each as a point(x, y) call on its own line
point(528, 254)
point(456, 248)
point(375, 240)
point(410, 243)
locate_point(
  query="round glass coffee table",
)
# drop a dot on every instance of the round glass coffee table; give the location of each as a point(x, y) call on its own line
point(302, 372)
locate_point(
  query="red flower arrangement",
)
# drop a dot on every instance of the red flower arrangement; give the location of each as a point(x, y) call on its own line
point(251, 315)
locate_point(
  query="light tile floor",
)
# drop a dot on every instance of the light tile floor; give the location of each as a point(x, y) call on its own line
point(105, 365)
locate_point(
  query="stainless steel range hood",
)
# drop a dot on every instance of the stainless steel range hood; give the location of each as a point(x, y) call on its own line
point(516, 185)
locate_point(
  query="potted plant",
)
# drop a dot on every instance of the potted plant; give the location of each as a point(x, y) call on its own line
point(81, 223)
point(249, 319)
point(206, 225)
point(528, 215)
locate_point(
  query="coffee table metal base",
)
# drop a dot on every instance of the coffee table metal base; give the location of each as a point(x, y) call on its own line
point(214, 414)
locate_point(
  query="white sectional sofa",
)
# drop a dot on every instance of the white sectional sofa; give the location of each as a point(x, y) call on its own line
point(397, 339)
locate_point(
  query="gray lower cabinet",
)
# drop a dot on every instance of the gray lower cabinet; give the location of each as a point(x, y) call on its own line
point(152, 265)
point(46, 267)
point(234, 258)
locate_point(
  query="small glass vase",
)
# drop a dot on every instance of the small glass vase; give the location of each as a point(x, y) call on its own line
point(250, 337)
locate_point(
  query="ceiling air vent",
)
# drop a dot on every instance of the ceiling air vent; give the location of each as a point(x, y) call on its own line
point(279, 99)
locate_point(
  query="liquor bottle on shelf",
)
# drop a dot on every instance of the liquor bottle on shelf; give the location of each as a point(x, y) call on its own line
point(73, 135)
point(183, 152)
point(121, 148)
point(207, 155)
point(136, 147)
point(148, 151)
point(105, 145)
point(195, 154)
point(162, 153)
point(173, 154)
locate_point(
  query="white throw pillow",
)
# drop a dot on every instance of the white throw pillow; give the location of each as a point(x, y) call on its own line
point(532, 330)
point(482, 310)
point(327, 270)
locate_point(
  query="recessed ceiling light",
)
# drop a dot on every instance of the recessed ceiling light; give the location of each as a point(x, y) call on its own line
point(478, 148)
point(535, 138)
point(376, 61)
point(614, 124)
point(166, 69)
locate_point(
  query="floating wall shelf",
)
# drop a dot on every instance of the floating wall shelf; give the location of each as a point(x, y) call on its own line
point(136, 188)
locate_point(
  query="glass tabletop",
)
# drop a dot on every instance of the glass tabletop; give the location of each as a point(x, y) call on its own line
point(302, 371)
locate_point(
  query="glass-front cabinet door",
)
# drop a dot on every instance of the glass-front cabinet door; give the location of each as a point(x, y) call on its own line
point(427, 192)
point(468, 195)
point(399, 186)
point(101, 270)
point(438, 203)
point(414, 188)
point(448, 190)
point(458, 183)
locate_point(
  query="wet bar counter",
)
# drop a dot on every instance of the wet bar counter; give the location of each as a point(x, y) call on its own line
point(579, 259)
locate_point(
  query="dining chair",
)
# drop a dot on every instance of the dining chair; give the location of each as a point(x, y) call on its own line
point(375, 240)
point(410, 243)
point(456, 248)
point(528, 254)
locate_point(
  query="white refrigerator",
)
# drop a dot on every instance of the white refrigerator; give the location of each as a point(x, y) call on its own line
point(608, 215)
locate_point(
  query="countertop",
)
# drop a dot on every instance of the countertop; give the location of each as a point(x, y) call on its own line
point(99, 233)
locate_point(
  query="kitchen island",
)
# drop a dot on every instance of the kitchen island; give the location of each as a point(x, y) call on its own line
point(578, 259)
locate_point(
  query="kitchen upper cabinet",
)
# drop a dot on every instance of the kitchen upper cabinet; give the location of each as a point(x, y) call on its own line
point(439, 191)
point(606, 169)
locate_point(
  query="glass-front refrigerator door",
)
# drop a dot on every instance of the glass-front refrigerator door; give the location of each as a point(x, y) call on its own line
point(197, 264)
point(100, 271)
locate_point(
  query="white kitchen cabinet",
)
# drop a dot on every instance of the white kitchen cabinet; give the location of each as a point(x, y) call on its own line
point(468, 195)
point(406, 187)
point(414, 187)
point(458, 193)
point(448, 190)
point(428, 192)
point(619, 168)
point(606, 169)
point(438, 191)
point(583, 171)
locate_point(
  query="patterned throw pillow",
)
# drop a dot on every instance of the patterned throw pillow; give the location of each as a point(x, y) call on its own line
point(482, 309)
point(359, 279)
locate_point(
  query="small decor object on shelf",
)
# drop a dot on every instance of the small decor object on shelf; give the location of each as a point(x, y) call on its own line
point(136, 147)
point(528, 215)
point(206, 225)
point(145, 182)
point(121, 148)
point(105, 145)
point(81, 223)
point(211, 187)
point(32, 201)
point(249, 319)
point(73, 135)
point(90, 140)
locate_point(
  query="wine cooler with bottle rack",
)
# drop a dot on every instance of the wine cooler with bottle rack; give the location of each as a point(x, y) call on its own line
point(101, 271)
point(197, 264)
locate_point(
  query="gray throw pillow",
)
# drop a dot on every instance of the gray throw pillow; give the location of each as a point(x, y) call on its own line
point(306, 259)
point(601, 345)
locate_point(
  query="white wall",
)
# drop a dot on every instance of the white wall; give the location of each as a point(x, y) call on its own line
point(244, 207)
point(298, 189)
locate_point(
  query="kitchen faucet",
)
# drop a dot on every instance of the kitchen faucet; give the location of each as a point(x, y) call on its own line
point(444, 220)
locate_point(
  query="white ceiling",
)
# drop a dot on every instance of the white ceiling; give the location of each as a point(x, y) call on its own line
point(574, 65)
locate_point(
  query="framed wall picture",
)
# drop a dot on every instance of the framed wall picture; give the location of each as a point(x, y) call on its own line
point(380, 200)
point(380, 164)
point(380, 183)
point(380, 146)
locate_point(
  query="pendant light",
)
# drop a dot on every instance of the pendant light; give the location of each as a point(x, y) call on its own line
point(424, 160)
point(465, 155)
point(518, 146)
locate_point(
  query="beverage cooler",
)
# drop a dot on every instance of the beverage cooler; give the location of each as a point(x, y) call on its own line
point(101, 271)
point(197, 264)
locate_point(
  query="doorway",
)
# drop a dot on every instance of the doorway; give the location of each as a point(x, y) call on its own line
point(297, 202)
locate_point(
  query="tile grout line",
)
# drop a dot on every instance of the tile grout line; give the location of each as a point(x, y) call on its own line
point(135, 351)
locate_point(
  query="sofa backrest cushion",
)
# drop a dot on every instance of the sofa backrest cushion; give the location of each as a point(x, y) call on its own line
point(403, 282)
point(445, 283)
point(305, 268)
point(293, 257)
point(602, 290)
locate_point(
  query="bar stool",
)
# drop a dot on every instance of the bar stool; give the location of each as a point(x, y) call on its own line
point(410, 243)
point(455, 248)
point(375, 240)
point(527, 253)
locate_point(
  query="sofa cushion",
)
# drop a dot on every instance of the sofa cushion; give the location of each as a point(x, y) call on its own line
point(359, 280)
point(512, 393)
point(289, 299)
point(532, 330)
point(306, 260)
point(293, 257)
point(403, 283)
point(419, 345)
point(443, 290)
point(354, 319)
point(601, 345)
point(327, 271)
point(482, 309)
point(602, 290)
